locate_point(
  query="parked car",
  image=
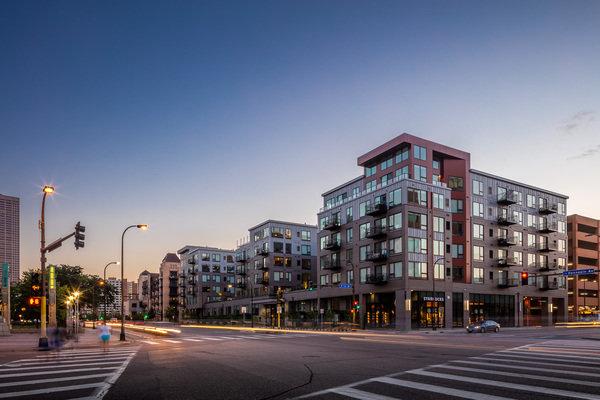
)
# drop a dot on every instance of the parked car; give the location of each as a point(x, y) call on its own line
point(484, 326)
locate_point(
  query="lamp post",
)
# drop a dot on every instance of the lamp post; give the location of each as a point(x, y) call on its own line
point(100, 283)
point(597, 281)
point(435, 322)
point(104, 277)
point(142, 227)
point(76, 295)
point(354, 311)
point(43, 341)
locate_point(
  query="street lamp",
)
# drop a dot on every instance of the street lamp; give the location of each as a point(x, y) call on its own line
point(435, 322)
point(43, 341)
point(354, 311)
point(142, 227)
point(105, 297)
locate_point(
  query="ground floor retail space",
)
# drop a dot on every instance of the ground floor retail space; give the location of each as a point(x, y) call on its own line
point(416, 309)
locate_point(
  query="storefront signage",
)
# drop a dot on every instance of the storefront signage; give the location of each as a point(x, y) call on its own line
point(431, 298)
point(579, 272)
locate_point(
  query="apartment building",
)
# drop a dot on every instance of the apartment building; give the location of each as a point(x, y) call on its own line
point(207, 276)
point(9, 236)
point(420, 240)
point(277, 257)
point(113, 309)
point(149, 293)
point(584, 253)
point(169, 287)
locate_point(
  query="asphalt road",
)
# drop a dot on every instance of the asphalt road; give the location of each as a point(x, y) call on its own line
point(209, 364)
point(220, 364)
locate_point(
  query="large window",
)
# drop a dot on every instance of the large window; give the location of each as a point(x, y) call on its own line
point(478, 209)
point(395, 197)
point(395, 221)
point(417, 269)
point(530, 201)
point(438, 248)
point(417, 196)
point(438, 200)
point(363, 251)
point(386, 164)
point(370, 170)
point(457, 250)
point(396, 270)
point(438, 270)
point(395, 245)
point(402, 173)
point(349, 235)
point(305, 250)
point(417, 221)
point(456, 182)
point(371, 185)
point(420, 153)
point(456, 206)
point(417, 245)
point(363, 230)
point(477, 253)
point(362, 208)
point(438, 224)
point(478, 231)
point(477, 187)
point(402, 155)
point(420, 173)
point(305, 235)
point(477, 275)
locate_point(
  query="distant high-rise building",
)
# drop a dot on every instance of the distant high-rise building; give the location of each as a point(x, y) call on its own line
point(114, 309)
point(168, 281)
point(9, 235)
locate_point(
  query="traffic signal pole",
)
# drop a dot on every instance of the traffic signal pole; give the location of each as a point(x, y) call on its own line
point(43, 340)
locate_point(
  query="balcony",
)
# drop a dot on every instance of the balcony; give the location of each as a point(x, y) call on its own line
point(507, 282)
point(332, 244)
point(506, 241)
point(332, 224)
point(546, 247)
point(241, 258)
point(545, 284)
point(240, 271)
point(507, 262)
point(241, 286)
point(191, 260)
point(375, 256)
point(376, 232)
point(548, 209)
point(378, 279)
point(331, 265)
point(506, 220)
point(262, 252)
point(548, 227)
point(508, 198)
point(376, 209)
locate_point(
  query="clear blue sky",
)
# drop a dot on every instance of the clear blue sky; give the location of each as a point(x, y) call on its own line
point(204, 118)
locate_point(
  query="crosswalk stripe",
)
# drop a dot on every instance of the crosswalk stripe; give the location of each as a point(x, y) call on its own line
point(171, 341)
point(511, 361)
point(19, 368)
point(56, 372)
point(211, 338)
point(439, 389)
point(150, 342)
point(520, 375)
point(50, 390)
point(521, 367)
point(99, 354)
point(548, 354)
point(543, 357)
point(360, 394)
point(486, 382)
point(49, 380)
point(193, 340)
point(61, 361)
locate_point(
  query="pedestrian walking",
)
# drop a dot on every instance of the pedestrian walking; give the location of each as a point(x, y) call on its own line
point(105, 335)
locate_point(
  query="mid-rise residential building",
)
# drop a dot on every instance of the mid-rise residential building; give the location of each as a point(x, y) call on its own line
point(169, 282)
point(420, 240)
point(9, 236)
point(149, 293)
point(207, 276)
point(131, 301)
point(584, 253)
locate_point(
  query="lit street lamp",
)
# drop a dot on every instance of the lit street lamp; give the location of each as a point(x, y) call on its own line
point(43, 341)
point(142, 227)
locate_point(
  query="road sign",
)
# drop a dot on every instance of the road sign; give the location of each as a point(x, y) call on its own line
point(243, 310)
point(579, 272)
point(345, 286)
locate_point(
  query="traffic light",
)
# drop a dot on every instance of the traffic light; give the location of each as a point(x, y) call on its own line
point(79, 236)
point(355, 305)
point(35, 283)
point(34, 301)
point(524, 278)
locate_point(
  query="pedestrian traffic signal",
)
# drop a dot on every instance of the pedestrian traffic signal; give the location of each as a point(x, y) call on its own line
point(524, 278)
point(34, 301)
point(35, 283)
point(355, 305)
point(79, 236)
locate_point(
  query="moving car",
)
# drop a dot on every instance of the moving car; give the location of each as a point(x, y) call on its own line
point(484, 326)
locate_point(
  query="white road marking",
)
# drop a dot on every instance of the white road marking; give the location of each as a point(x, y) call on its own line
point(54, 366)
point(171, 341)
point(542, 357)
point(517, 386)
point(193, 340)
point(525, 368)
point(49, 380)
point(150, 342)
point(439, 389)
point(511, 361)
point(50, 390)
point(360, 394)
point(56, 372)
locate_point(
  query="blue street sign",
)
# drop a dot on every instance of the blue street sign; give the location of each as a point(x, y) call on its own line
point(579, 272)
point(345, 286)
